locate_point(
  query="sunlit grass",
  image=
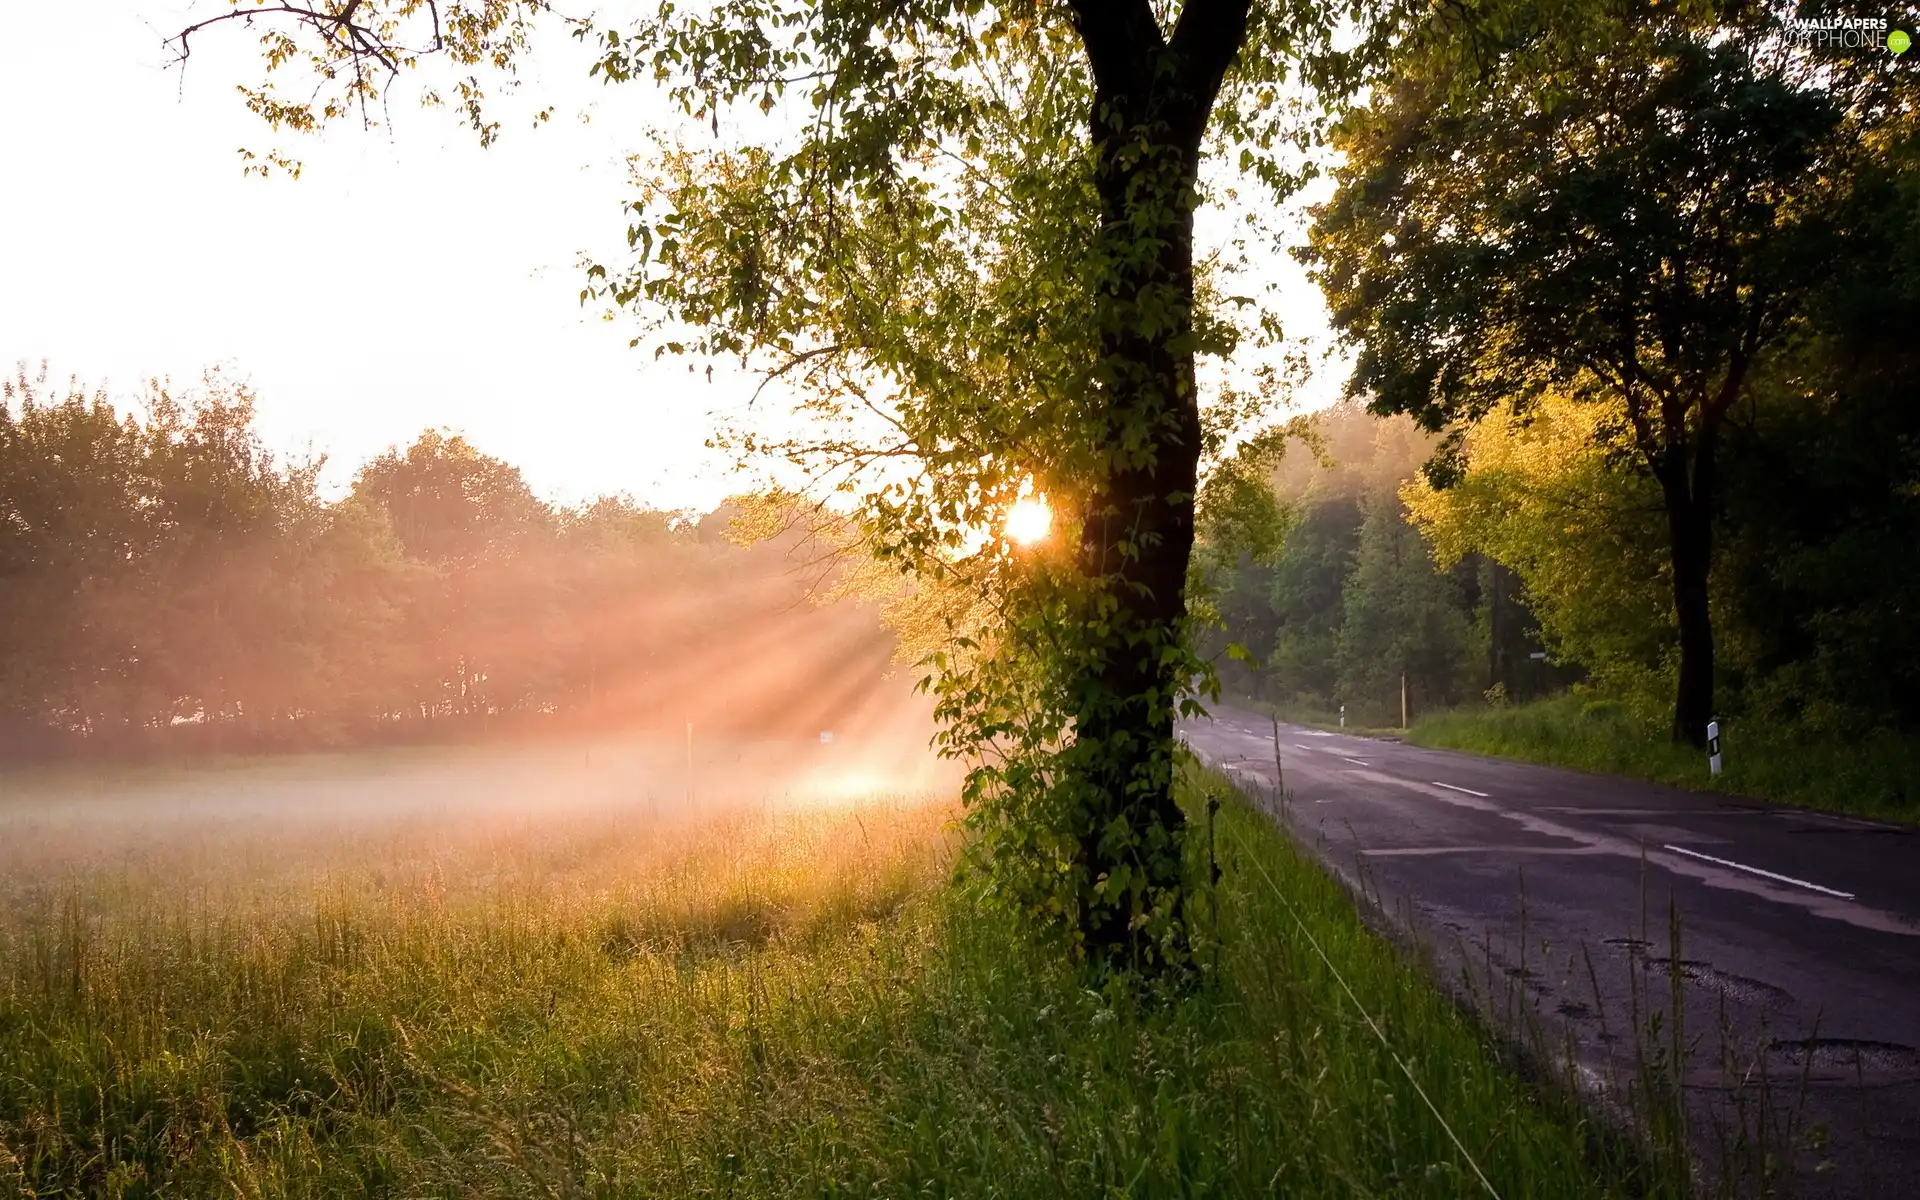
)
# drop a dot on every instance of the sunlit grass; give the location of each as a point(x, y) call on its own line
point(752, 1001)
point(1877, 776)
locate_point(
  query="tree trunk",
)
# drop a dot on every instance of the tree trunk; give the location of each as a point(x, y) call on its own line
point(1690, 537)
point(1151, 104)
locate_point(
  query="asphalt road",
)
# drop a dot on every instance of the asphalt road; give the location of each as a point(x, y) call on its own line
point(1554, 899)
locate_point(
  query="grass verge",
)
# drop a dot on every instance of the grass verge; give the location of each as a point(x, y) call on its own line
point(750, 1005)
point(1877, 777)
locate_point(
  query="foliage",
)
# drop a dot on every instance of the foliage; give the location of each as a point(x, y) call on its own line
point(611, 1002)
point(1823, 487)
point(1540, 496)
point(1820, 480)
point(354, 51)
point(1354, 599)
point(1402, 621)
point(1629, 210)
point(977, 261)
point(170, 586)
point(1307, 599)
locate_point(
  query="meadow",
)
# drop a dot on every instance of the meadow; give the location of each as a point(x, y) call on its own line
point(561, 976)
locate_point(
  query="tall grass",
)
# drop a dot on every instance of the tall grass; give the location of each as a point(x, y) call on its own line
point(1876, 777)
point(755, 1004)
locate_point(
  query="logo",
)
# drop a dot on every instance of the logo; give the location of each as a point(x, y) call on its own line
point(1846, 33)
point(1898, 41)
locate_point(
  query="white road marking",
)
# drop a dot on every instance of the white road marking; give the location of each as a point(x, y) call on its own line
point(1425, 851)
point(1654, 812)
point(1358, 761)
point(1724, 862)
point(1469, 791)
point(1832, 906)
point(1300, 746)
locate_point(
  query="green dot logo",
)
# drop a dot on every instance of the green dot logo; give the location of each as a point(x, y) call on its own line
point(1898, 41)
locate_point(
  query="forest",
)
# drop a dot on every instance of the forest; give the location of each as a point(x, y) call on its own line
point(1543, 567)
point(1354, 599)
point(171, 586)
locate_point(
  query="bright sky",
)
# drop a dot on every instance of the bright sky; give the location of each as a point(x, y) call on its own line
point(407, 280)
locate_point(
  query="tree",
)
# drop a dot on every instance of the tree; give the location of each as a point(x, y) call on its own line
point(973, 262)
point(1013, 306)
point(1823, 485)
point(472, 518)
point(1306, 596)
point(1542, 497)
point(1625, 209)
point(451, 504)
point(1402, 621)
point(70, 523)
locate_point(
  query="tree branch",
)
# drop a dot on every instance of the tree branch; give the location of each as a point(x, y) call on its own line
point(1206, 39)
point(356, 39)
point(1121, 38)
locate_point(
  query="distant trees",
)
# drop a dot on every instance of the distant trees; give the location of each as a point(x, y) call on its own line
point(1636, 209)
point(1402, 620)
point(1356, 599)
point(167, 583)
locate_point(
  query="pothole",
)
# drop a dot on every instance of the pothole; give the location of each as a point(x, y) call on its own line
point(1847, 1055)
point(1736, 987)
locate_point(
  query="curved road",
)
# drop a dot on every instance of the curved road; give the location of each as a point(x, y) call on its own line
point(1556, 898)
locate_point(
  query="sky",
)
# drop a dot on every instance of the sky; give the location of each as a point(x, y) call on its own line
point(407, 280)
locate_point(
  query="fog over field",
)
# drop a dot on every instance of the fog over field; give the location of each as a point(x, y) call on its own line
point(307, 814)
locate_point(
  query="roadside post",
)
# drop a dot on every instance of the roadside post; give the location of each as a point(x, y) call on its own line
point(1403, 700)
point(1343, 716)
point(1713, 747)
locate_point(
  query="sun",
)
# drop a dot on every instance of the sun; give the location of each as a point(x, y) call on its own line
point(1029, 520)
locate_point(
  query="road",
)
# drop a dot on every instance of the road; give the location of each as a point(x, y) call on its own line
point(1546, 895)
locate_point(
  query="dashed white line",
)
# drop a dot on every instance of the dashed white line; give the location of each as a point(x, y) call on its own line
point(1453, 788)
point(1726, 862)
point(1358, 761)
point(1301, 746)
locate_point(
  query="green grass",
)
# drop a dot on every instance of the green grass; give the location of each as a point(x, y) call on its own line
point(1878, 777)
point(750, 1004)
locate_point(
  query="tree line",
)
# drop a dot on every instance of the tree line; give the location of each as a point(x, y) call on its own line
point(167, 584)
point(1649, 287)
point(1548, 545)
point(1352, 613)
point(1685, 263)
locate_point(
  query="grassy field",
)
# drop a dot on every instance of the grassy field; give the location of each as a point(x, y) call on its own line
point(751, 999)
point(1879, 777)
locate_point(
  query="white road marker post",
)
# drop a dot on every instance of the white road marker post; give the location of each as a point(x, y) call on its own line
point(1713, 747)
point(1343, 716)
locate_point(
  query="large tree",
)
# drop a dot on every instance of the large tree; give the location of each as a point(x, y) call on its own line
point(1624, 206)
point(968, 252)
